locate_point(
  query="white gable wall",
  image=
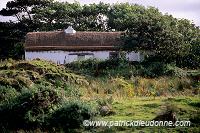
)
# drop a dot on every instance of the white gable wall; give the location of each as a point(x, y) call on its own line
point(61, 57)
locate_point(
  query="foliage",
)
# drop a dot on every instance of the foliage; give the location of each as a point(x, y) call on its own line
point(22, 9)
point(11, 40)
point(26, 73)
point(146, 29)
point(29, 109)
point(39, 107)
point(152, 69)
point(124, 68)
point(7, 92)
point(100, 68)
point(83, 18)
point(127, 89)
point(31, 91)
point(119, 13)
point(195, 119)
point(162, 37)
point(71, 115)
point(12, 34)
point(58, 100)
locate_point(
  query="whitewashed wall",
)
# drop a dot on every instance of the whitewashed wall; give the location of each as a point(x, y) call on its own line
point(132, 56)
point(61, 57)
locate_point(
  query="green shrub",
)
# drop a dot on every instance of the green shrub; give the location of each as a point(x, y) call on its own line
point(15, 78)
point(85, 66)
point(29, 109)
point(195, 119)
point(152, 70)
point(172, 70)
point(110, 67)
point(122, 67)
point(72, 91)
point(71, 115)
point(6, 93)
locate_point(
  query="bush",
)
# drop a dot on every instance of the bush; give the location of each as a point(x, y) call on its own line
point(29, 109)
point(122, 67)
point(195, 119)
point(175, 71)
point(152, 70)
point(147, 68)
point(6, 93)
point(72, 91)
point(111, 67)
point(71, 115)
point(85, 66)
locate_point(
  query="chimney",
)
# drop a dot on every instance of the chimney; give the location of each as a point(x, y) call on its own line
point(69, 30)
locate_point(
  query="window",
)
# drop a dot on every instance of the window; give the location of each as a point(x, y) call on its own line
point(80, 57)
point(113, 55)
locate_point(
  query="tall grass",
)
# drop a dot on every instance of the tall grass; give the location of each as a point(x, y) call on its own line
point(121, 87)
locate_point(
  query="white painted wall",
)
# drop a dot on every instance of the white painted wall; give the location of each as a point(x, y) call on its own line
point(132, 56)
point(61, 57)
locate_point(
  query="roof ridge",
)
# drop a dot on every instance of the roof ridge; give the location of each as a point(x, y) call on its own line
point(76, 32)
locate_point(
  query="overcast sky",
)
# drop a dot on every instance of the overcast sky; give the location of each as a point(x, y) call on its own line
point(189, 9)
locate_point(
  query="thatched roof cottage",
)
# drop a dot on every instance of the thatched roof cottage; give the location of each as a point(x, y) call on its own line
point(68, 46)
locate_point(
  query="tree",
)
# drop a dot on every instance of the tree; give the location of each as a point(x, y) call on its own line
point(57, 15)
point(191, 35)
point(83, 18)
point(11, 38)
point(22, 9)
point(166, 38)
point(94, 17)
point(121, 15)
point(12, 34)
point(145, 29)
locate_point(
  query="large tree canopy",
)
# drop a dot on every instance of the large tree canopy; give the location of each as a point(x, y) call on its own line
point(145, 29)
point(22, 9)
point(12, 34)
point(167, 39)
point(83, 18)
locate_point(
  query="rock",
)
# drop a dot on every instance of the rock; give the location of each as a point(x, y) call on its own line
point(167, 116)
point(106, 110)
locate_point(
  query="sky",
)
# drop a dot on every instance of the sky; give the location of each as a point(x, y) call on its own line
point(189, 9)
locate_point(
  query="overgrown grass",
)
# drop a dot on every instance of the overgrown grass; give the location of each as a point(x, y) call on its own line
point(34, 95)
point(147, 109)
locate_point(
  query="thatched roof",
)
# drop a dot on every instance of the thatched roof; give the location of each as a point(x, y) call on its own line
point(59, 40)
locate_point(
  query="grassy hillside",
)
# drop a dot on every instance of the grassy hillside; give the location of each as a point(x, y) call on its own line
point(41, 96)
